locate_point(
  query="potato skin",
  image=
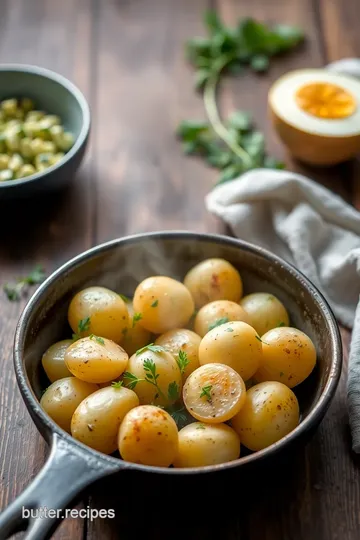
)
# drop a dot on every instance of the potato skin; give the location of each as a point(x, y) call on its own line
point(62, 398)
point(97, 419)
point(265, 311)
point(107, 311)
point(214, 312)
point(201, 445)
point(289, 357)
point(91, 361)
point(270, 412)
point(164, 304)
point(148, 436)
point(53, 360)
point(235, 344)
point(185, 340)
point(214, 279)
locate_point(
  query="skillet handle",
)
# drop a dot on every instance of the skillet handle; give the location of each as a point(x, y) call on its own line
point(66, 473)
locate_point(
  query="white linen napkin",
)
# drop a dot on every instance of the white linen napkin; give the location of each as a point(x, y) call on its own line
point(310, 227)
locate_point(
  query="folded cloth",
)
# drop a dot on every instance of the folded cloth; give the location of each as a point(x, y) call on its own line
point(312, 228)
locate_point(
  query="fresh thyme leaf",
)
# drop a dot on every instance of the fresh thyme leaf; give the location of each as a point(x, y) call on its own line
point(155, 303)
point(200, 426)
point(136, 318)
point(133, 380)
point(14, 290)
point(173, 391)
point(206, 392)
point(98, 339)
point(182, 361)
point(150, 347)
point(84, 325)
point(117, 384)
point(233, 147)
point(126, 299)
point(218, 322)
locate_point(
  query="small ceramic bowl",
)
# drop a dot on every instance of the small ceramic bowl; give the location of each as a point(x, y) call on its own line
point(54, 94)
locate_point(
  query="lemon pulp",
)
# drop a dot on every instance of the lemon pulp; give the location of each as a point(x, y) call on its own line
point(325, 100)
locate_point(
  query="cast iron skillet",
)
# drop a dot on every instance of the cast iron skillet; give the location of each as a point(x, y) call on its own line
point(120, 265)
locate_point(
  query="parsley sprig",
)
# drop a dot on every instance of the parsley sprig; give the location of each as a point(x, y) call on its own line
point(14, 290)
point(206, 392)
point(234, 146)
point(182, 361)
point(83, 326)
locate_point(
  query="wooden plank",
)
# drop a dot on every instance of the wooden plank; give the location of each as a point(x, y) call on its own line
point(56, 35)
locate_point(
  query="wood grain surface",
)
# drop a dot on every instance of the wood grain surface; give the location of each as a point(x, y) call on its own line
point(127, 57)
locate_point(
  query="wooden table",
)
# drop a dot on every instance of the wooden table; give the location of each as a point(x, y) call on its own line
point(127, 57)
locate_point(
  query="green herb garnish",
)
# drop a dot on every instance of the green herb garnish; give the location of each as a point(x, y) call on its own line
point(117, 384)
point(182, 361)
point(218, 322)
point(173, 391)
point(136, 318)
point(206, 392)
point(126, 299)
point(150, 347)
point(280, 325)
point(151, 377)
point(83, 326)
point(155, 303)
point(200, 426)
point(97, 338)
point(14, 290)
point(235, 146)
point(261, 341)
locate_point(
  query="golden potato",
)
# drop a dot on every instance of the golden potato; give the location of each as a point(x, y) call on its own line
point(99, 311)
point(213, 279)
point(203, 444)
point(265, 311)
point(97, 360)
point(135, 335)
point(97, 419)
point(149, 436)
point(270, 412)
point(214, 393)
point(183, 340)
point(235, 344)
point(62, 397)
point(289, 356)
point(53, 360)
point(154, 376)
point(164, 304)
point(216, 313)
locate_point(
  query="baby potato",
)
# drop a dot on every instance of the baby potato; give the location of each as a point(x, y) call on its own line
point(62, 398)
point(213, 279)
point(270, 412)
point(96, 360)
point(154, 365)
point(149, 436)
point(135, 335)
point(164, 304)
point(53, 360)
point(214, 393)
point(97, 419)
point(265, 311)
point(183, 340)
point(235, 344)
point(217, 313)
point(99, 311)
point(289, 356)
point(203, 444)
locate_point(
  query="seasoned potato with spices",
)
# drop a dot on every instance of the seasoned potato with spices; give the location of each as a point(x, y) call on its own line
point(149, 436)
point(214, 279)
point(216, 313)
point(265, 311)
point(185, 343)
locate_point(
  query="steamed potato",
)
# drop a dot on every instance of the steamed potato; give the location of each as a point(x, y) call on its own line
point(150, 364)
point(264, 311)
point(164, 304)
point(235, 344)
point(53, 360)
point(216, 313)
point(99, 311)
point(97, 419)
point(270, 412)
point(214, 393)
point(96, 360)
point(184, 340)
point(213, 279)
point(204, 444)
point(289, 356)
point(62, 398)
point(149, 436)
point(135, 335)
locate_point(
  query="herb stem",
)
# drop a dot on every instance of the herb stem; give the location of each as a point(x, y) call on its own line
point(214, 117)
